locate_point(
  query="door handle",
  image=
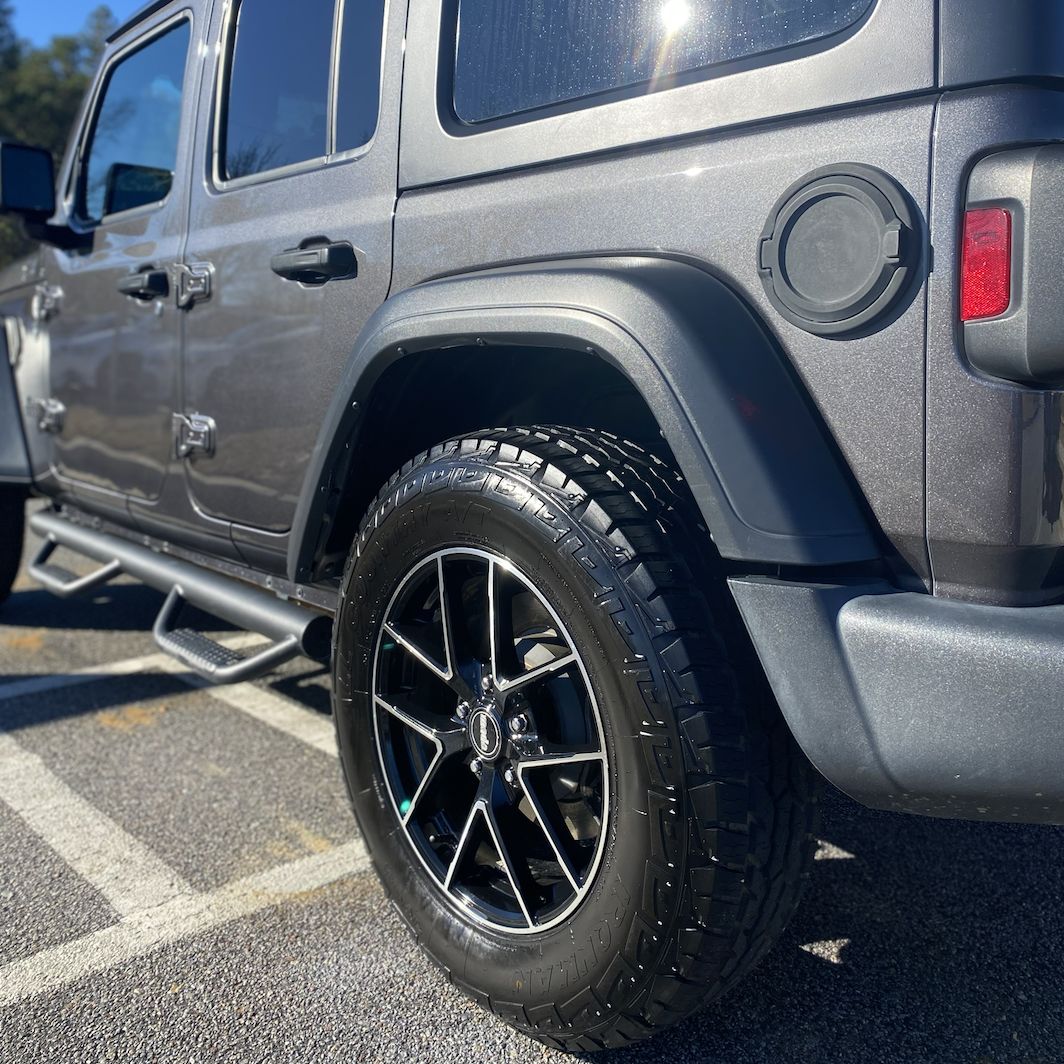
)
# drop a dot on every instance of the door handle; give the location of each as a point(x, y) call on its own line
point(148, 284)
point(317, 264)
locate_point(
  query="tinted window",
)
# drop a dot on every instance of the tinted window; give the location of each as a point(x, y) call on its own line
point(133, 147)
point(358, 88)
point(277, 109)
point(514, 55)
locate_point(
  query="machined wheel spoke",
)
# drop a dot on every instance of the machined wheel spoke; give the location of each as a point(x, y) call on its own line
point(410, 646)
point(537, 673)
point(458, 682)
point(448, 645)
point(552, 758)
point(450, 736)
point(493, 623)
point(463, 841)
point(507, 862)
point(427, 732)
point(426, 781)
point(552, 837)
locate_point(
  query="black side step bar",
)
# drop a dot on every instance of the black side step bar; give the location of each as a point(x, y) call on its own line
point(293, 629)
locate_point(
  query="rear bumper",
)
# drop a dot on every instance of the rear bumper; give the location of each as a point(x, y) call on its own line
point(915, 703)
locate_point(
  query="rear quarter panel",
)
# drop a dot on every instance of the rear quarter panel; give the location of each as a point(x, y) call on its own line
point(705, 201)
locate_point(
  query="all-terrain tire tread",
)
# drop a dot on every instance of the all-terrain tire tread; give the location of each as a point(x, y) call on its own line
point(737, 801)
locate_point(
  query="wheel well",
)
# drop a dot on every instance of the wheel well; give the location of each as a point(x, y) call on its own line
point(425, 398)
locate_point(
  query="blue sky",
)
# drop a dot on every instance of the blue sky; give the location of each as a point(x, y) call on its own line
point(39, 20)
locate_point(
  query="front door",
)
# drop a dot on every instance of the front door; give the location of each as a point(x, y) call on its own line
point(292, 226)
point(113, 323)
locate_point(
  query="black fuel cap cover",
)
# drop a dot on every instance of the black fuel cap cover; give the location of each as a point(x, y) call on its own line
point(839, 249)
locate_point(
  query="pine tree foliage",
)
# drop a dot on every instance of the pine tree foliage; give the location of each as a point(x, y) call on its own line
point(40, 95)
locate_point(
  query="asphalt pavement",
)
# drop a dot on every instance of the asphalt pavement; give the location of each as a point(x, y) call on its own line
point(181, 881)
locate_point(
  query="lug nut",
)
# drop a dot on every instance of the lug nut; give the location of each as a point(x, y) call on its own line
point(510, 776)
point(518, 724)
point(476, 767)
point(463, 710)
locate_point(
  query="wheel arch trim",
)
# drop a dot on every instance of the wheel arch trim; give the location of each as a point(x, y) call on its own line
point(758, 463)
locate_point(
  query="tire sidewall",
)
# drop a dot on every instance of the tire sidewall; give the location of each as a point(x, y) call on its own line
point(444, 504)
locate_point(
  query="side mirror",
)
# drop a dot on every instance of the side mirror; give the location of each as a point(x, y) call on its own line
point(27, 182)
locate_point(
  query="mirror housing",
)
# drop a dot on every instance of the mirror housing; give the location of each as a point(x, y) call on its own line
point(27, 189)
point(27, 181)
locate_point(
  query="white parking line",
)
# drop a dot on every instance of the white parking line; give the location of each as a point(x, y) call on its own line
point(274, 710)
point(265, 706)
point(146, 930)
point(120, 867)
point(155, 905)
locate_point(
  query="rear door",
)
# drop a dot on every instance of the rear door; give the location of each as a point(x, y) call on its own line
point(112, 323)
point(290, 224)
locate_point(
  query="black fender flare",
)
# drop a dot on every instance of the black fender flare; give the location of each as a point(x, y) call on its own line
point(755, 455)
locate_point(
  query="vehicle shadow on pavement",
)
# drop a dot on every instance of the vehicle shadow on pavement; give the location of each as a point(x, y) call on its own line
point(309, 686)
point(93, 696)
point(938, 941)
point(113, 607)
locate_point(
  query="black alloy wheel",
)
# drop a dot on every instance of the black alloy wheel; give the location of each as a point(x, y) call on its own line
point(490, 741)
point(557, 740)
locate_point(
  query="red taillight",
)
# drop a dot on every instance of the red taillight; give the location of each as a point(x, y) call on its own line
point(986, 263)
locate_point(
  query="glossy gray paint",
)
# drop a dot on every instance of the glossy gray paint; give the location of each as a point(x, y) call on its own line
point(755, 457)
point(28, 340)
point(263, 355)
point(995, 514)
point(863, 63)
point(114, 360)
point(705, 201)
point(916, 703)
point(686, 176)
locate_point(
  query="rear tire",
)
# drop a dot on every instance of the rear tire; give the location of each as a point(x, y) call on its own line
point(12, 521)
point(688, 853)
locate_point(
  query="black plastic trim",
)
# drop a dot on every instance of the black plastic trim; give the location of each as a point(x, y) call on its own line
point(836, 238)
point(755, 456)
point(983, 41)
point(915, 703)
point(1023, 343)
point(138, 16)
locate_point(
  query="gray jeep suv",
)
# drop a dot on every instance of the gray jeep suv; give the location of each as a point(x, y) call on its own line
point(718, 347)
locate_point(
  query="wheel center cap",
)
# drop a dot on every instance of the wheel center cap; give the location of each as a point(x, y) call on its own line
point(485, 734)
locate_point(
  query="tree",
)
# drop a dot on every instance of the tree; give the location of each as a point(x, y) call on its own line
point(40, 94)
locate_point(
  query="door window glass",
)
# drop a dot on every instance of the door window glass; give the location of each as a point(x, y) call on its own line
point(359, 73)
point(132, 150)
point(515, 55)
point(278, 95)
